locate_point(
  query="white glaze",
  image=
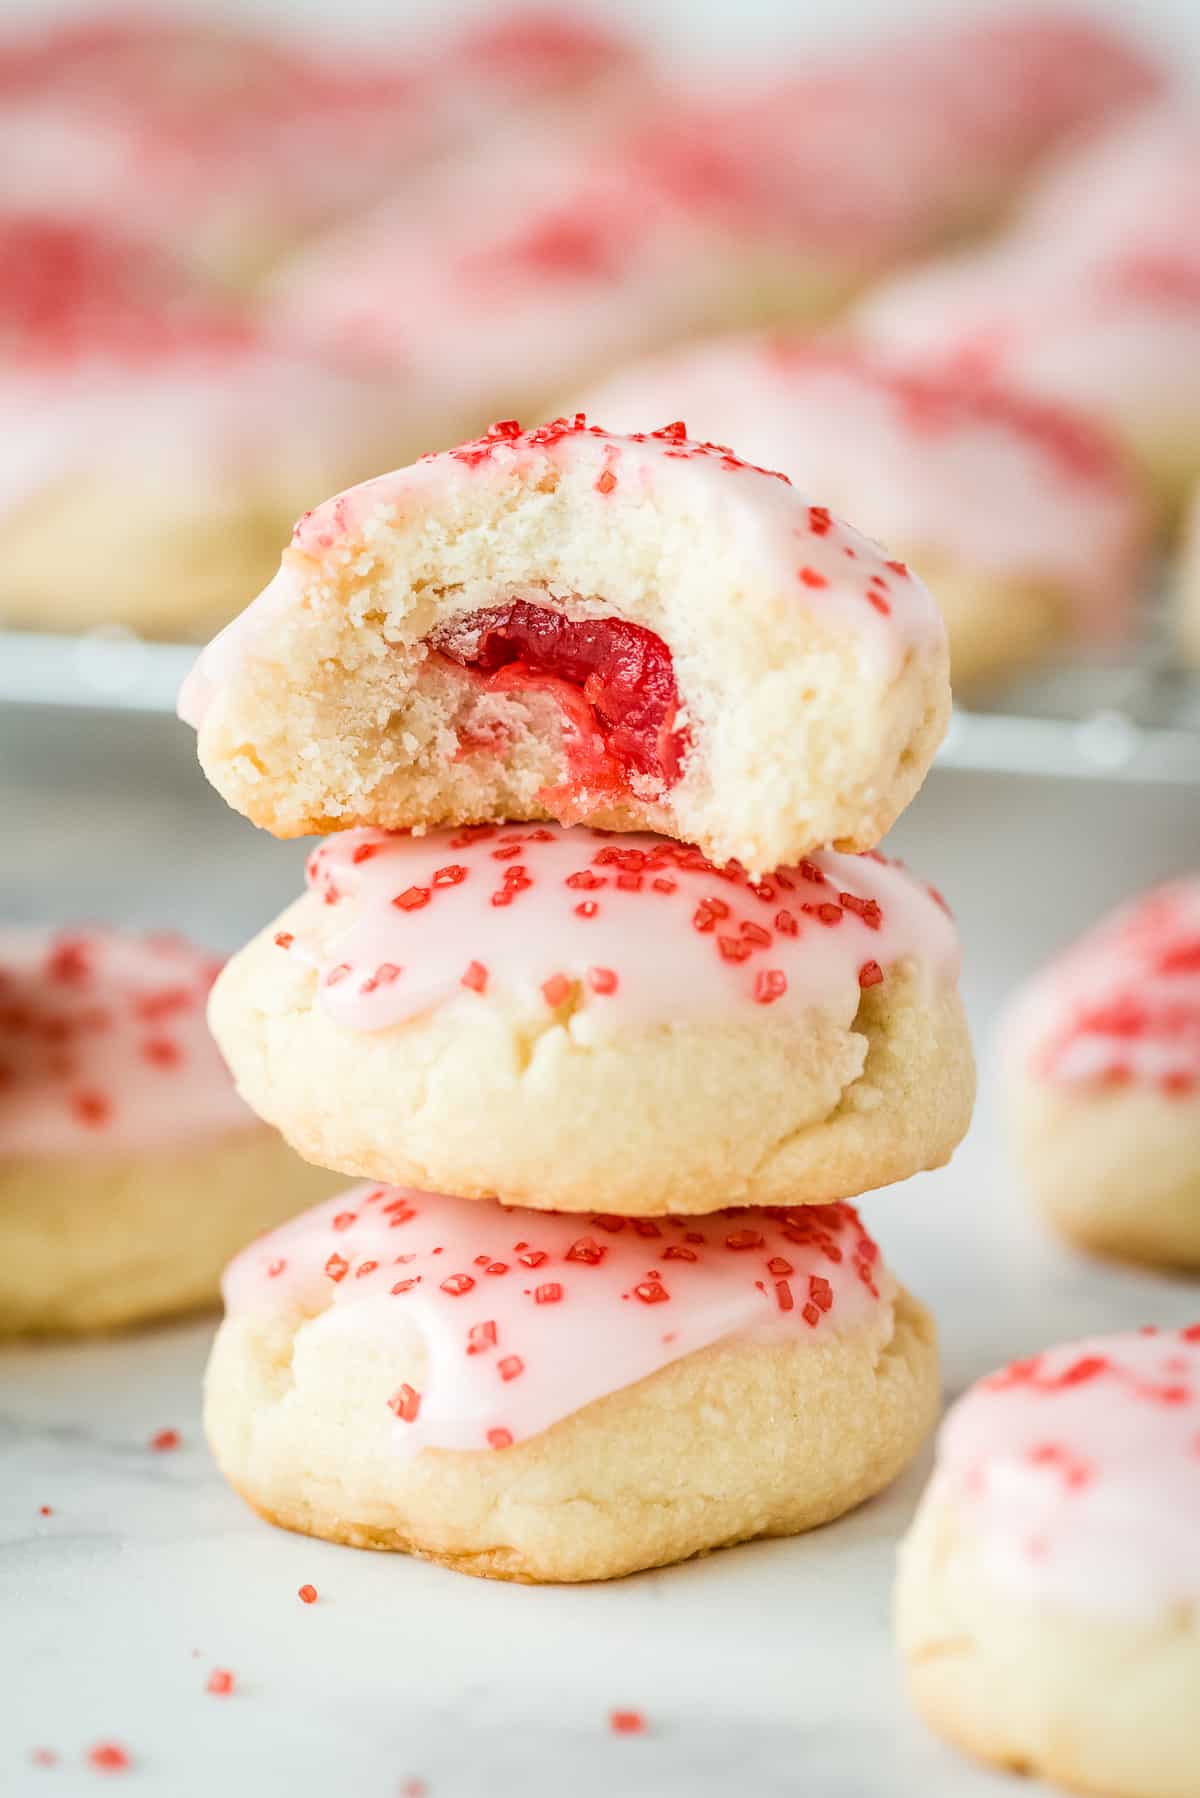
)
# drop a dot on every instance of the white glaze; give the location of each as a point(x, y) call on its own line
point(673, 955)
point(619, 1298)
point(1123, 1004)
point(1078, 1473)
point(103, 1045)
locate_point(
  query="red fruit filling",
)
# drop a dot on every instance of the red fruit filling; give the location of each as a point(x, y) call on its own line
point(612, 681)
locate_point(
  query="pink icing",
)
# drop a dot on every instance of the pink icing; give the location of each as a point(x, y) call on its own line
point(633, 930)
point(1002, 482)
point(104, 1047)
point(1123, 1005)
point(527, 1317)
point(1078, 1471)
point(799, 548)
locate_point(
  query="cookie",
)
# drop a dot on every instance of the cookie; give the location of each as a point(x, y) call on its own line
point(1087, 303)
point(530, 1397)
point(545, 1016)
point(1187, 586)
point(165, 442)
point(562, 623)
point(1048, 1604)
point(1026, 521)
point(129, 1168)
point(1102, 1053)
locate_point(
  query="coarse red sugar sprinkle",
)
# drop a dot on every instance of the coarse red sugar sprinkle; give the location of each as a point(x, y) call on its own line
point(627, 1723)
point(109, 1757)
point(164, 1440)
point(220, 1682)
point(307, 1594)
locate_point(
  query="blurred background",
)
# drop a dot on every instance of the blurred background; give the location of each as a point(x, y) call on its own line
point(940, 263)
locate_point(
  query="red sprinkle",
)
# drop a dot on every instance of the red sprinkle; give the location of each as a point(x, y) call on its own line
point(337, 1268)
point(556, 990)
point(109, 1757)
point(627, 1723)
point(510, 1367)
point(586, 1249)
point(220, 1682)
point(651, 1292)
point(344, 1219)
point(412, 898)
point(811, 578)
point(769, 984)
point(164, 1440)
point(476, 977)
point(457, 1284)
point(406, 1403)
point(499, 1438)
point(307, 1594)
point(602, 980)
point(481, 1337)
point(450, 875)
point(284, 938)
point(870, 974)
point(783, 1295)
point(549, 1294)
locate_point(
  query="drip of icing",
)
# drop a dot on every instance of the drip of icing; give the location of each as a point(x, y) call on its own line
point(1079, 1471)
point(838, 575)
point(104, 1046)
point(1123, 1004)
point(609, 931)
point(527, 1317)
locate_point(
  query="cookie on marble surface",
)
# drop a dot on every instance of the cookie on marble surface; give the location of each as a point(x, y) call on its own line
point(1024, 519)
point(544, 1015)
point(637, 632)
point(1048, 1602)
point(1102, 1053)
point(166, 441)
point(543, 1398)
point(129, 1168)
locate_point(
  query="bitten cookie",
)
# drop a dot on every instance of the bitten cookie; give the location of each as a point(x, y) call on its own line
point(570, 624)
point(542, 1015)
point(531, 1397)
point(1026, 520)
point(129, 1168)
point(1102, 1052)
point(1048, 1605)
point(158, 445)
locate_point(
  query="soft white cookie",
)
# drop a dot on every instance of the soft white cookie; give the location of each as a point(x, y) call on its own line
point(1102, 1054)
point(1024, 519)
point(129, 1169)
point(544, 1015)
point(155, 443)
point(641, 632)
point(1048, 1604)
point(534, 1397)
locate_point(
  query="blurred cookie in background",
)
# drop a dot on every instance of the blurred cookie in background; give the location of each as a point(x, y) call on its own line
point(1102, 1062)
point(129, 1168)
point(1025, 520)
point(157, 444)
point(1187, 585)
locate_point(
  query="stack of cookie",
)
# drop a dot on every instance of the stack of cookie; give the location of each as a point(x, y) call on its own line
point(575, 978)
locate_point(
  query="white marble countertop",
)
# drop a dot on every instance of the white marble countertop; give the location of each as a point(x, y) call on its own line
point(760, 1670)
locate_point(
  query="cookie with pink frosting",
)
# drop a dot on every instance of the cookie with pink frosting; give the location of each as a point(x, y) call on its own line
point(543, 1398)
point(640, 632)
point(1102, 1053)
point(157, 443)
point(1092, 299)
point(130, 1170)
point(542, 1015)
point(1025, 519)
point(1048, 1604)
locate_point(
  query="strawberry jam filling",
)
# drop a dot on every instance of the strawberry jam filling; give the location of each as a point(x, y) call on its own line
point(613, 682)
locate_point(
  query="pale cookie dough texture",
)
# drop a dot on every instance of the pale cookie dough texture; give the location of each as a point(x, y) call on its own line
point(1024, 519)
point(1048, 1604)
point(545, 1015)
point(1102, 1056)
point(566, 623)
point(542, 1398)
point(129, 1168)
point(158, 441)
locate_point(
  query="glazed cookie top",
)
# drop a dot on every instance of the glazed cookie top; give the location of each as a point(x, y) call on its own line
point(798, 548)
point(1122, 1006)
point(1078, 1471)
point(103, 1044)
point(607, 931)
point(527, 1317)
point(921, 461)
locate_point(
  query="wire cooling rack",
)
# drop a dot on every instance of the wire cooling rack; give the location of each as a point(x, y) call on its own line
point(1136, 720)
